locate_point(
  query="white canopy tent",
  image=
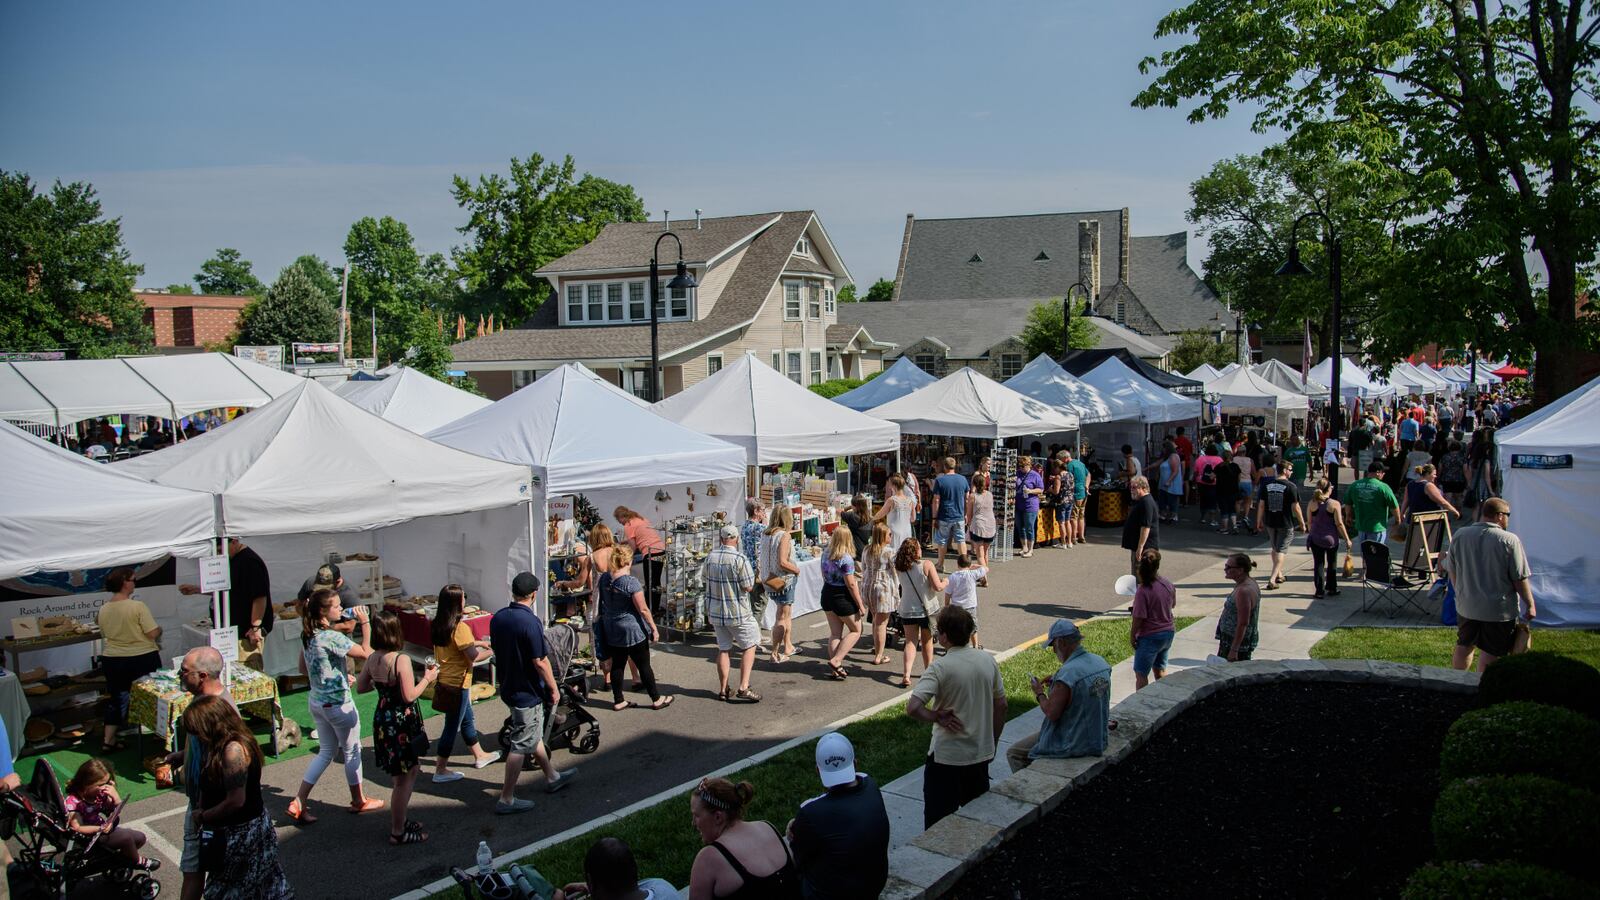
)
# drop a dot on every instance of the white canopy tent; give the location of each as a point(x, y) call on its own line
point(64, 512)
point(60, 392)
point(1354, 382)
point(599, 379)
point(1462, 375)
point(1045, 380)
point(1406, 381)
point(1430, 380)
point(749, 404)
point(1228, 368)
point(1551, 466)
point(896, 381)
point(1278, 374)
point(1244, 391)
point(416, 402)
point(966, 403)
point(1156, 404)
point(1205, 372)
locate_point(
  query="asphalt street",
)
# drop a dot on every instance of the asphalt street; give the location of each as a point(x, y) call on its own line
point(642, 751)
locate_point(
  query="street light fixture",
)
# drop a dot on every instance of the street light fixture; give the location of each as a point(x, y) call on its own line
point(1293, 266)
point(1066, 314)
point(682, 281)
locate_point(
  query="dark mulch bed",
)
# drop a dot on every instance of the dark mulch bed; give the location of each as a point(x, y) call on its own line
point(1290, 789)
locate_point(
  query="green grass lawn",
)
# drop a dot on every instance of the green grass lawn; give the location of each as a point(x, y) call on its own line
point(888, 745)
point(1433, 646)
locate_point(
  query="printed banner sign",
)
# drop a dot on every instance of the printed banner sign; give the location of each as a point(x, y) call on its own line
point(1541, 460)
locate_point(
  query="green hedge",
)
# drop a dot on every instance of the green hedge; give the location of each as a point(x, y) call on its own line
point(1522, 738)
point(1493, 881)
point(1518, 818)
point(1543, 678)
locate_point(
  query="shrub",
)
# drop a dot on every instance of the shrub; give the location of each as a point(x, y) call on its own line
point(1492, 881)
point(1521, 818)
point(1522, 738)
point(1542, 678)
point(835, 387)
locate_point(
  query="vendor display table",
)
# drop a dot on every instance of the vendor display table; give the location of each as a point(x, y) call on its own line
point(280, 649)
point(15, 648)
point(1108, 506)
point(14, 710)
point(158, 701)
point(417, 628)
point(806, 593)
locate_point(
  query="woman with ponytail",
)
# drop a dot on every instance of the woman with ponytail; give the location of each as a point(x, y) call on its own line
point(1152, 630)
point(741, 859)
point(1323, 535)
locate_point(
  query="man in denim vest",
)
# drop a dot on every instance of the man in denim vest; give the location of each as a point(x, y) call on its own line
point(1076, 702)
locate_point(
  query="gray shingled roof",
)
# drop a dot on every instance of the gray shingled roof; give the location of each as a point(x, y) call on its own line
point(1159, 273)
point(801, 264)
point(970, 329)
point(542, 337)
point(628, 244)
point(938, 267)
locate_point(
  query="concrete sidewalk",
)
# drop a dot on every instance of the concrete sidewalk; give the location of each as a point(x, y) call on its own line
point(1291, 623)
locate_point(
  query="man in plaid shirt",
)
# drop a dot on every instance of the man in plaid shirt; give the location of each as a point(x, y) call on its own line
point(729, 578)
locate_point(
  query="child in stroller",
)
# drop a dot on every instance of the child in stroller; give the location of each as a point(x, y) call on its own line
point(91, 805)
point(568, 718)
point(52, 858)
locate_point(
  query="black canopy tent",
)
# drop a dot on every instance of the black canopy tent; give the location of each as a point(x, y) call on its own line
point(1080, 362)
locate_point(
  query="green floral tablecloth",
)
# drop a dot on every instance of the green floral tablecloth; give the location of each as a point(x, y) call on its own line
point(158, 700)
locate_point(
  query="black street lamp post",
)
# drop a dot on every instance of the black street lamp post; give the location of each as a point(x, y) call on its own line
point(682, 281)
point(1293, 266)
point(1066, 314)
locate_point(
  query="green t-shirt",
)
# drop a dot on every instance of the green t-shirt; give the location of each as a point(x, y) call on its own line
point(1370, 502)
point(1300, 458)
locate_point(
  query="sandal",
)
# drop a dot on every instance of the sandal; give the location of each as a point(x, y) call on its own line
point(664, 702)
point(837, 673)
point(881, 660)
point(409, 836)
point(746, 696)
point(370, 804)
point(626, 704)
point(903, 683)
point(297, 812)
point(780, 657)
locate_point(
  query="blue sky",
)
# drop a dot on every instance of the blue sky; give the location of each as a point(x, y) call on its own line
point(272, 127)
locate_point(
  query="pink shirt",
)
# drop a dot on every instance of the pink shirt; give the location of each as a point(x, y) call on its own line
point(1207, 460)
point(1153, 606)
point(642, 536)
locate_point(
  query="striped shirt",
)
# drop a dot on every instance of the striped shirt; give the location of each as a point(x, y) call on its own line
point(728, 579)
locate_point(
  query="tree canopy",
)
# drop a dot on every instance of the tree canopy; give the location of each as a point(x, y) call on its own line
point(1480, 110)
point(1195, 347)
point(66, 282)
point(515, 225)
point(228, 273)
point(325, 277)
point(294, 309)
point(1041, 333)
point(881, 291)
point(387, 278)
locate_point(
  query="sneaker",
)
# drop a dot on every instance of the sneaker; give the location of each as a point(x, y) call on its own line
point(517, 805)
point(559, 783)
point(486, 761)
point(447, 777)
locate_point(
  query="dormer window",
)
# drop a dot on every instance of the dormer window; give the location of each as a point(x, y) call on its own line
point(802, 247)
point(1041, 257)
point(975, 259)
point(622, 302)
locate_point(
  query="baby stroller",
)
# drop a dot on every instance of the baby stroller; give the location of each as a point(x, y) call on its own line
point(52, 860)
point(568, 717)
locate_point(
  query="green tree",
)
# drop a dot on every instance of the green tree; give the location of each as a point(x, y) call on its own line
point(1484, 111)
point(65, 279)
point(181, 289)
point(294, 309)
point(847, 294)
point(516, 225)
point(325, 277)
point(1041, 333)
point(387, 278)
point(881, 291)
point(228, 273)
point(1195, 347)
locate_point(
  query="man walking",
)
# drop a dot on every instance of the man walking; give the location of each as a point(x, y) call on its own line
point(750, 535)
point(1142, 528)
point(1278, 511)
point(728, 579)
point(963, 696)
point(1080, 495)
point(200, 674)
point(1490, 571)
point(528, 685)
point(949, 510)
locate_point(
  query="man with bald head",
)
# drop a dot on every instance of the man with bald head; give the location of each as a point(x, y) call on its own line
point(200, 675)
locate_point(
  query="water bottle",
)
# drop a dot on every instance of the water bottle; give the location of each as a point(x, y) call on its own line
point(485, 859)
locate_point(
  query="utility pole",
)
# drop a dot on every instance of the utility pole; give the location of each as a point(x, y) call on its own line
point(344, 311)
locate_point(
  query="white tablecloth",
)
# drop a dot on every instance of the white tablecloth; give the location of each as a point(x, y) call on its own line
point(280, 652)
point(807, 593)
point(14, 710)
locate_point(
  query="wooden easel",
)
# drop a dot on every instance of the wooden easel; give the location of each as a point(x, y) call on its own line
point(1427, 535)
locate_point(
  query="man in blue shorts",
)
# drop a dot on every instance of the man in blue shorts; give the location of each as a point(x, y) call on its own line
point(950, 510)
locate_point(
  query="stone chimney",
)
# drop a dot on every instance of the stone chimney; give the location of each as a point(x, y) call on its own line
point(1122, 249)
point(905, 247)
point(1089, 256)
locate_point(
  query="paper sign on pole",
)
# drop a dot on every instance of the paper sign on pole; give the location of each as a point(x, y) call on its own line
point(226, 642)
point(214, 574)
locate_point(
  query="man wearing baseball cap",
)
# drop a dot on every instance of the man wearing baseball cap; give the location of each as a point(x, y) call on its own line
point(1076, 702)
point(1372, 505)
point(328, 576)
point(840, 838)
point(528, 686)
point(728, 580)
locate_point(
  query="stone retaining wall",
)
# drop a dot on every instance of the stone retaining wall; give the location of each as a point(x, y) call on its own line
point(929, 866)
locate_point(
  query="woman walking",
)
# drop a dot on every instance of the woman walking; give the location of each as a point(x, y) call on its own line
point(896, 510)
point(322, 661)
point(132, 650)
point(841, 600)
point(601, 543)
point(778, 569)
point(1480, 466)
point(624, 615)
point(1453, 472)
point(1237, 628)
point(921, 592)
point(398, 738)
point(1152, 629)
point(881, 589)
point(981, 526)
point(858, 518)
point(1423, 495)
point(1324, 532)
point(241, 861)
point(457, 652)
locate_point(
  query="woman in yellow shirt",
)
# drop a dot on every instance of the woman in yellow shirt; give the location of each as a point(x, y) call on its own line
point(456, 651)
point(132, 650)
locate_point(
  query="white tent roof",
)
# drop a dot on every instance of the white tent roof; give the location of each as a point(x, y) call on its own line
point(1405, 377)
point(1353, 380)
point(1156, 404)
point(1463, 374)
point(581, 435)
point(1431, 382)
point(310, 462)
point(412, 400)
point(1228, 368)
point(1204, 372)
point(968, 404)
point(64, 512)
point(1275, 372)
point(896, 381)
point(1045, 380)
point(750, 404)
point(59, 392)
point(599, 379)
point(1244, 389)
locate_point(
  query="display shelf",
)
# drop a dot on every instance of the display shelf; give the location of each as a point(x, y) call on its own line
point(689, 540)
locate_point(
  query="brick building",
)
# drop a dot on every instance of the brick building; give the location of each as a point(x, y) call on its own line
point(186, 323)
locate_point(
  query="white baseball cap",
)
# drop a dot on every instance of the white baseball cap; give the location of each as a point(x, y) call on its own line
point(836, 760)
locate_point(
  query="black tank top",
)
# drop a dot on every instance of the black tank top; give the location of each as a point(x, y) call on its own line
point(784, 884)
point(212, 792)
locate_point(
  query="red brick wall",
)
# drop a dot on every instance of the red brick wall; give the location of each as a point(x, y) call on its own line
point(160, 321)
point(185, 321)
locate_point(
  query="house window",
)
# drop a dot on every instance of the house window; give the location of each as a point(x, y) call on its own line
point(639, 383)
point(620, 302)
point(813, 301)
point(833, 367)
point(777, 360)
point(680, 303)
point(713, 364)
point(802, 247)
point(1122, 311)
point(795, 374)
point(614, 302)
point(594, 296)
point(574, 303)
point(1010, 364)
point(521, 378)
point(791, 299)
point(636, 302)
point(828, 301)
point(816, 367)
point(927, 362)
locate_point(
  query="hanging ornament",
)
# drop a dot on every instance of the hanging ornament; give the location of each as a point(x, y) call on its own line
point(662, 496)
point(711, 489)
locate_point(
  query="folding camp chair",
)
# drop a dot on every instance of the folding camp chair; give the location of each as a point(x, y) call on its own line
point(1386, 584)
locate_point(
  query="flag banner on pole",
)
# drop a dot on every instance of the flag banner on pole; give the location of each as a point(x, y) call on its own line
point(1305, 355)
